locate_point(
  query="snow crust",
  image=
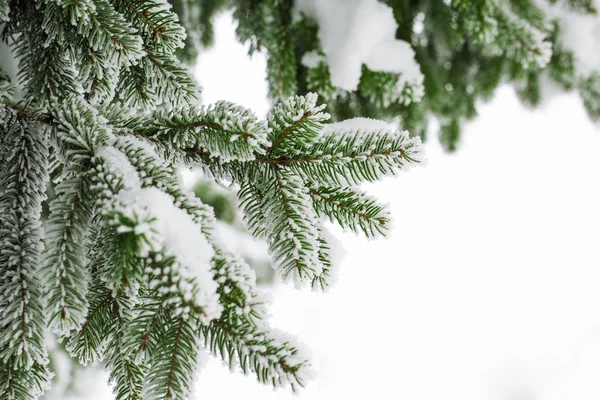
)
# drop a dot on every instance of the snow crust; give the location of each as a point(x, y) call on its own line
point(357, 32)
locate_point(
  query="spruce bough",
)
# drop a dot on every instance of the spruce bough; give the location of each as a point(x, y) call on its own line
point(127, 268)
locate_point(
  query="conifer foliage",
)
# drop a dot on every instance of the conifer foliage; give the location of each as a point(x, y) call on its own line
point(127, 268)
point(414, 60)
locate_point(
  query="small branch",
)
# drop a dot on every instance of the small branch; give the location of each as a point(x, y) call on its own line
point(288, 130)
point(173, 357)
point(343, 207)
point(287, 214)
point(24, 112)
point(234, 335)
point(88, 319)
point(144, 17)
point(287, 161)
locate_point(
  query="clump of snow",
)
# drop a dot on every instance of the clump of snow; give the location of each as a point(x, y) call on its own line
point(253, 250)
point(117, 161)
point(579, 33)
point(312, 59)
point(357, 32)
point(181, 236)
point(358, 124)
point(169, 230)
point(143, 144)
point(397, 56)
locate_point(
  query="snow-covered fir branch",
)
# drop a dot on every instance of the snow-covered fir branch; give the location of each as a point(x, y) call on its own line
point(129, 268)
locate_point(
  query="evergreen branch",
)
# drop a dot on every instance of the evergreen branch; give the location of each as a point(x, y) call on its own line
point(590, 92)
point(252, 203)
point(113, 29)
point(157, 173)
point(237, 287)
point(79, 130)
point(295, 124)
point(64, 271)
point(169, 385)
point(241, 335)
point(351, 209)
point(385, 88)
point(25, 112)
point(346, 155)
point(157, 24)
point(22, 190)
point(124, 372)
point(274, 358)
point(105, 30)
point(143, 334)
point(224, 130)
point(281, 57)
point(23, 384)
point(327, 278)
point(500, 30)
point(155, 78)
point(44, 68)
point(172, 367)
point(521, 41)
point(252, 26)
point(291, 230)
point(110, 311)
point(89, 343)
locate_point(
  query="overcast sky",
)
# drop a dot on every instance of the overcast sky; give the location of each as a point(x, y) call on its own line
point(487, 288)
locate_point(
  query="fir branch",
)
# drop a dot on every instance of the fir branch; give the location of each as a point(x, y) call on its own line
point(252, 203)
point(64, 271)
point(126, 375)
point(385, 88)
point(44, 67)
point(271, 356)
point(155, 78)
point(88, 344)
point(351, 209)
point(225, 130)
point(79, 130)
point(22, 189)
point(327, 278)
point(291, 230)
point(295, 124)
point(158, 23)
point(143, 334)
point(160, 174)
point(281, 57)
point(172, 368)
point(345, 155)
point(590, 92)
point(499, 30)
point(111, 31)
point(242, 337)
point(23, 384)
point(584, 6)
point(109, 315)
point(318, 80)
